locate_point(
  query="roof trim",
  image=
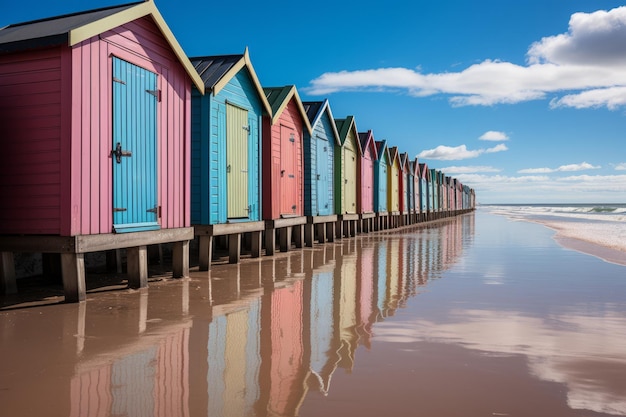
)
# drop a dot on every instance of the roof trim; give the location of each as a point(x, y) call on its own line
point(288, 92)
point(348, 125)
point(146, 8)
point(326, 106)
point(369, 141)
point(244, 62)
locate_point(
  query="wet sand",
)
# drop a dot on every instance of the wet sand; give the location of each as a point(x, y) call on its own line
point(476, 316)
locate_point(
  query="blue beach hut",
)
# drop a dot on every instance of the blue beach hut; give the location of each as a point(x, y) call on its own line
point(381, 166)
point(319, 154)
point(226, 154)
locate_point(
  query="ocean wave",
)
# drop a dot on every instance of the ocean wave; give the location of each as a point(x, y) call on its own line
point(596, 212)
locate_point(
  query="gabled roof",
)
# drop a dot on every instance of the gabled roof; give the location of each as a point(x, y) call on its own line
point(404, 157)
point(217, 70)
point(367, 139)
point(394, 154)
point(424, 171)
point(71, 29)
point(382, 150)
point(314, 112)
point(344, 126)
point(279, 97)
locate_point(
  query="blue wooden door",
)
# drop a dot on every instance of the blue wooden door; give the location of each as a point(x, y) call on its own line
point(133, 154)
point(322, 176)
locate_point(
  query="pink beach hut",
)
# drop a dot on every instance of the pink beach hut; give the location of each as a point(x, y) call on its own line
point(95, 113)
point(365, 189)
point(283, 176)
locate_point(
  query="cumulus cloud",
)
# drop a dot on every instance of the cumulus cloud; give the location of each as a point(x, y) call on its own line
point(587, 63)
point(495, 136)
point(469, 169)
point(447, 153)
point(563, 168)
point(621, 167)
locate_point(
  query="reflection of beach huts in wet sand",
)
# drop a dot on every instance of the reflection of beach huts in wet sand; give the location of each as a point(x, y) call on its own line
point(283, 206)
point(95, 115)
point(226, 158)
point(365, 190)
point(319, 172)
point(346, 155)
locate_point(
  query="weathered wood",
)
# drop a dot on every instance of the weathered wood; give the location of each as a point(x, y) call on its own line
point(234, 248)
point(37, 243)
point(73, 268)
point(206, 252)
point(308, 235)
point(180, 259)
point(255, 244)
point(8, 284)
point(228, 228)
point(330, 231)
point(137, 266)
point(284, 238)
point(298, 236)
point(270, 241)
point(97, 243)
point(285, 222)
point(320, 229)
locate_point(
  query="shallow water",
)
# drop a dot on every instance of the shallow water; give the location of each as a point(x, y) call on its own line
point(476, 316)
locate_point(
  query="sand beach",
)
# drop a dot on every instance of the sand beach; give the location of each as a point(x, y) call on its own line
point(480, 315)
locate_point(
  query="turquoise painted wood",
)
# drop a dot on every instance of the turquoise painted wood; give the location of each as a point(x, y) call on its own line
point(319, 154)
point(380, 178)
point(226, 153)
point(133, 154)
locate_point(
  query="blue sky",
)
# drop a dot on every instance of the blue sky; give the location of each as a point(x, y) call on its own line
point(522, 101)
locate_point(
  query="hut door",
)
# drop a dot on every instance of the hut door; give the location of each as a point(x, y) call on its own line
point(322, 164)
point(288, 181)
point(133, 154)
point(237, 132)
point(350, 180)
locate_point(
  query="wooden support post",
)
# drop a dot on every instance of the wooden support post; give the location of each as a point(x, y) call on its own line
point(8, 284)
point(73, 269)
point(339, 229)
point(205, 252)
point(270, 241)
point(234, 248)
point(298, 235)
point(255, 244)
point(352, 228)
point(137, 262)
point(284, 237)
point(308, 235)
point(321, 232)
point(330, 231)
point(180, 259)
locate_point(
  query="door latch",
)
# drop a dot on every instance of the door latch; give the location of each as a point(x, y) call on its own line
point(118, 153)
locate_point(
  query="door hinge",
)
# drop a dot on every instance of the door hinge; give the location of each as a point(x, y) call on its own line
point(117, 80)
point(117, 209)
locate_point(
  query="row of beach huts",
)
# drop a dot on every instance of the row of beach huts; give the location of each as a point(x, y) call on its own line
point(114, 139)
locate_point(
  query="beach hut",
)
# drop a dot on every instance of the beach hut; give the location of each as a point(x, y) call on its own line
point(365, 190)
point(425, 191)
point(407, 186)
point(226, 154)
point(380, 185)
point(319, 159)
point(393, 187)
point(417, 208)
point(283, 131)
point(444, 194)
point(346, 157)
point(95, 113)
point(434, 196)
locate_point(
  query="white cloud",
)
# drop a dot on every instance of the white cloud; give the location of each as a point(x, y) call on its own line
point(498, 148)
point(447, 153)
point(563, 168)
point(468, 169)
point(546, 189)
point(589, 61)
point(621, 167)
point(493, 135)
